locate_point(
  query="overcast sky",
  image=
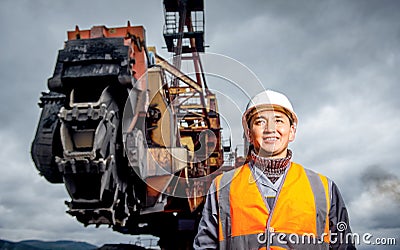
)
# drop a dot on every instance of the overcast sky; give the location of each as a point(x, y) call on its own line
point(338, 61)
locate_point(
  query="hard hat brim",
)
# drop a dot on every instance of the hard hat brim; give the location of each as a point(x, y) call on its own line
point(270, 107)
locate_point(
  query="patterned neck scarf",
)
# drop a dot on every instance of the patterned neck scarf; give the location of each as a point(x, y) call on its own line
point(272, 168)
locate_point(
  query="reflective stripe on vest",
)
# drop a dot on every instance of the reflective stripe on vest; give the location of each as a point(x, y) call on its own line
point(301, 208)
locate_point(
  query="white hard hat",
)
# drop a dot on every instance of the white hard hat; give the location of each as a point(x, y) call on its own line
point(265, 100)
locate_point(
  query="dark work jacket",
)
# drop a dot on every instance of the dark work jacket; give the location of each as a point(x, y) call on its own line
point(207, 236)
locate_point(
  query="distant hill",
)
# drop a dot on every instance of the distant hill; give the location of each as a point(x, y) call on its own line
point(45, 245)
point(121, 247)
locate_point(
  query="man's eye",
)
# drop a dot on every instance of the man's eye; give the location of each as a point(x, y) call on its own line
point(279, 121)
point(259, 122)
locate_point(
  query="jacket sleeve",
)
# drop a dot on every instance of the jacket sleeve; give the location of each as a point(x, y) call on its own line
point(339, 222)
point(207, 235)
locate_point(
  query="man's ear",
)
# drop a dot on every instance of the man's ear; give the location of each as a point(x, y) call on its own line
point(292, 134)
point(249, 137)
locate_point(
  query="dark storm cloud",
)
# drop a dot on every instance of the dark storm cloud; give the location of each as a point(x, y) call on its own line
point(378, 202)
point(383, 181)
point(294, 47)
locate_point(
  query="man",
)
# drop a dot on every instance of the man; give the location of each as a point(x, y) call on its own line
point(272, 202)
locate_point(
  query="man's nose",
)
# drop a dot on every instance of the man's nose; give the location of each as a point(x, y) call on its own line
point(269, 127)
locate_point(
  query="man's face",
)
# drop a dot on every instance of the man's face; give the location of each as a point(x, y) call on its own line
point(270, 133)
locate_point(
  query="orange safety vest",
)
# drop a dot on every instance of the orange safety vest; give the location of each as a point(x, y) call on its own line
point(298, 220)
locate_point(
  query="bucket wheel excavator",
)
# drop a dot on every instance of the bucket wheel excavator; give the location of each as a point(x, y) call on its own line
point(135, 140)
